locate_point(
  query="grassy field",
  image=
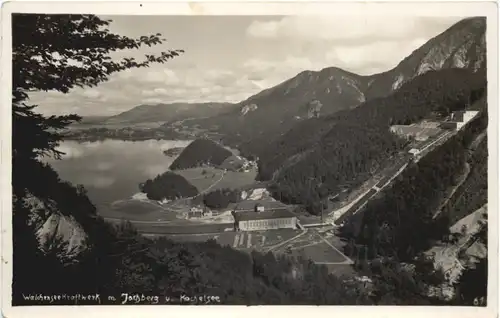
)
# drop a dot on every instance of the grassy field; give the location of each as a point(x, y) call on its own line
point(212, 178)
point(138, 211)
point(307, 246)
point(184, 228)
point(321, 253)
point(323, 249)
point(320, 248)
point(236, 180)
point(199, 179)
point(247, 241)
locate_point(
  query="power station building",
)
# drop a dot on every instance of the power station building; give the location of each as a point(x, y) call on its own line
point(418, 132)
point(261, 219)
point(459, 119)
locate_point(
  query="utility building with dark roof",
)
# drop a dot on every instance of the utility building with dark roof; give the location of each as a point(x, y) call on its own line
point(261, 219)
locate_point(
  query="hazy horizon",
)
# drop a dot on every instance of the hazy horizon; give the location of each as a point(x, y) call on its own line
point(230, 58)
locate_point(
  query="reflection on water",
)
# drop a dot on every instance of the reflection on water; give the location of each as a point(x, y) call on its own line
point(112, 170)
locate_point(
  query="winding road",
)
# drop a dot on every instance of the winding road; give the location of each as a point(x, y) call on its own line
point(163, 209)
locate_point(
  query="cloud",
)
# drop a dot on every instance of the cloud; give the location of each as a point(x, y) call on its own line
point(269, 52)
point(263, 74)
point(162, 76)
point(152, 101)
point(91, 93)
point(104, 166)
point(98, 181)
point(383, 55)
point(360, 44)
point(347, 28)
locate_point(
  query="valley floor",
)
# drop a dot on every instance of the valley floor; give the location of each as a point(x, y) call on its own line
point(321, 247)
point(319, 244)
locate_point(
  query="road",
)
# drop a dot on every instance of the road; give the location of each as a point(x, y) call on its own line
point(212, 185)
point(272, 248)
point(336, 215)
point(339, 215)
point(170, 209)
point(346, 261)
point(358, 203)
point(462, 179)
point(200, 193)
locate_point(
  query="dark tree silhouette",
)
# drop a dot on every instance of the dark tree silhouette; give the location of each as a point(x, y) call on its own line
point(57, 53)
point(221, 198)
point(201, 152)
point(169, 186)
point(117, 259)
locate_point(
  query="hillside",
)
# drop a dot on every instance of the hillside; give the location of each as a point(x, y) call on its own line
point(199, 153)
point(168, 186)
point(473, 192)
point(167, 112)
point(463, 45)
point(254, 122)
point(93, 120)
point(346, 147)
point(273, 111)
point(401, 222)
point(63, 248)
point(393, 223)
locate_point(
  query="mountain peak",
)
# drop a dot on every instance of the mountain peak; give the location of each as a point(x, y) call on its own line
point(278, 108)
point(463, 45)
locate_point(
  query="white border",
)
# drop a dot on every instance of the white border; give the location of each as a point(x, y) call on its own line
point(422, 8)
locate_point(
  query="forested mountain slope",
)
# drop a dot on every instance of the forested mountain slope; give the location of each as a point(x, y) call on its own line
point(401, 222)
point(199, 153)
point(463, 45)
point(168, 112)
point(116, 260)
point(253, 123)
point(344, 148)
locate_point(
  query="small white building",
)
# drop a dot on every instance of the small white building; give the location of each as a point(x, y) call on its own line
point(198, 212)
point(414, 151)
point(464, 116)
point(459, 119)
point(259, 208)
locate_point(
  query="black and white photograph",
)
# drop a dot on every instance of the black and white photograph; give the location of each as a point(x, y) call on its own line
point(214, 159)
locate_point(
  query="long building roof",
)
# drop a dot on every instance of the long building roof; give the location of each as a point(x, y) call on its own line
point(265, 215)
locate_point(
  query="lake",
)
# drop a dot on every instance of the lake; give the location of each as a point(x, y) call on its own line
point(111, 170)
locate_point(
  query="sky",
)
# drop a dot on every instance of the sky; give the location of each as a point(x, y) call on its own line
point(230, 58)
